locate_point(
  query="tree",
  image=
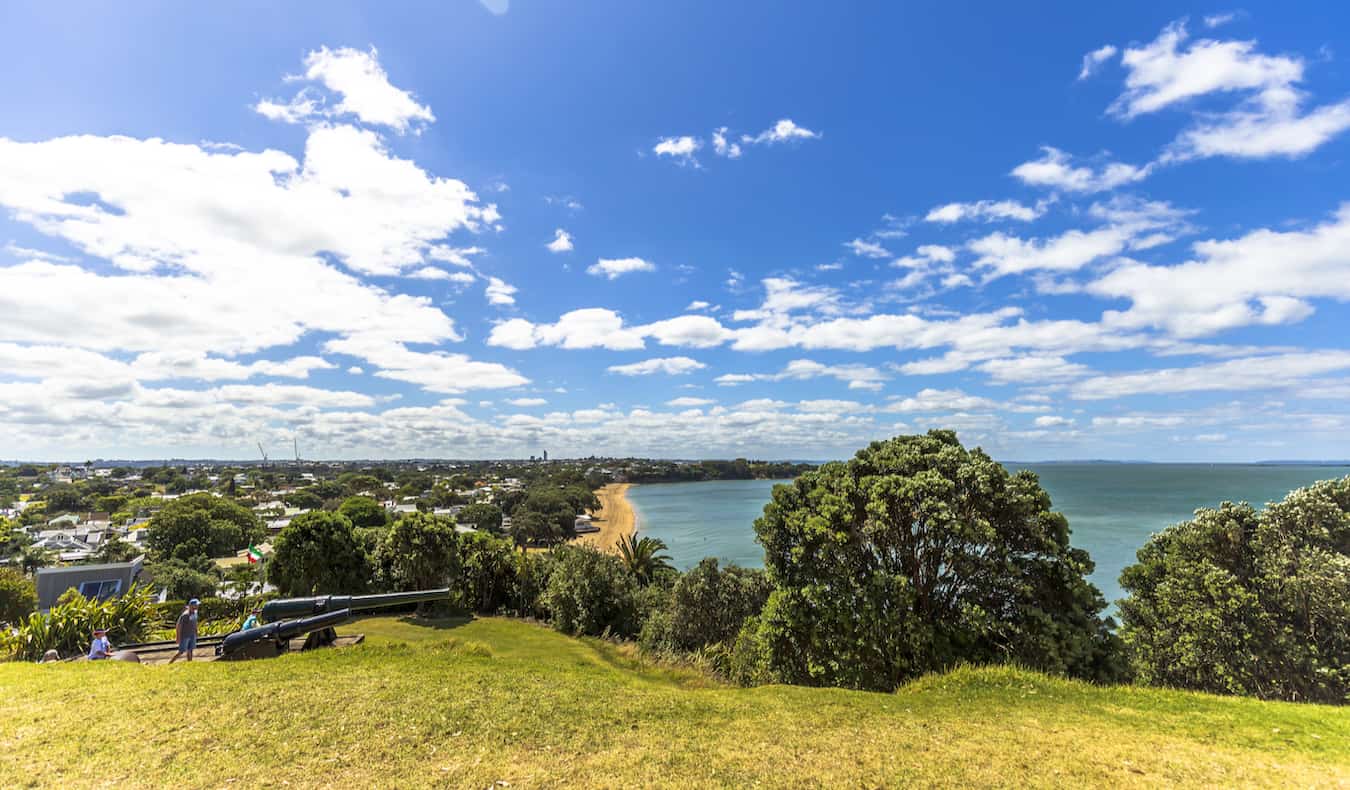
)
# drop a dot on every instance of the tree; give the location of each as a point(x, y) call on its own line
point(916, 555)
point(318, 553)
point(419, 552)
point(304, 499)
point(1240, 601)
point(706, 606)
point(643, 557)
point(548, 517)
point(18, 596)
point(64, 498)
point(33, 557)
point(114, 549)
point(184, 579)
point(201, 525)
point(363, 511)
point(480, 516)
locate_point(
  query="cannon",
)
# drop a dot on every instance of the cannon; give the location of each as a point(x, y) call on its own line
point(283, 608)
point(273, 639)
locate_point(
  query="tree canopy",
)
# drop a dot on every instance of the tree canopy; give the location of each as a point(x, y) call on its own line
point(201, 525)
point(918, 554)
point(318, 553)
point(363, 511)
point(419, 551)
point(481, 516)
point(1240, 601)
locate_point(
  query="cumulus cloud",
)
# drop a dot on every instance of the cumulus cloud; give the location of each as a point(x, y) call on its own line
point(681, 149)
point(1240, 375)
point(671, 366)
point(614, 268)
point(867, 249)
point(525, 402)
point(364, 87)
point(861, 377)
point(985, 210)
point(723, 147)
point(1094, 59)
point(562, 242)
point(1055, 169)
point(781, 132)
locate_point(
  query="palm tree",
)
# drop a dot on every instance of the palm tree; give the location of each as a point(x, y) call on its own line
point(643, 557)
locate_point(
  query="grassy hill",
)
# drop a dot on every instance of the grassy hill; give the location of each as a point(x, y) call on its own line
point(497, 701)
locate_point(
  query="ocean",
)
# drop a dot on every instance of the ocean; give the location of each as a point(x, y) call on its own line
point(1112, 508)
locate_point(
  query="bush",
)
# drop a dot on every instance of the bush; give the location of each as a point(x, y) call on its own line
point(590, 592)
point(706, 606)
point(18, 596)
point(69, 627)
point(488, 572)
point(916, 555)
point(1238, 601)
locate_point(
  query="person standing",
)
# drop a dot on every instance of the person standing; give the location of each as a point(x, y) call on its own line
point(186, 631)
point(100, 647)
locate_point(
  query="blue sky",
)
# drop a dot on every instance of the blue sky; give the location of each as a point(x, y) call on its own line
point(695, 230)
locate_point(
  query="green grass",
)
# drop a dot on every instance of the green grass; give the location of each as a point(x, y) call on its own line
point(469, 704)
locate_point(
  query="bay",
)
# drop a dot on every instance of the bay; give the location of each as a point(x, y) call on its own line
point(1112, 508)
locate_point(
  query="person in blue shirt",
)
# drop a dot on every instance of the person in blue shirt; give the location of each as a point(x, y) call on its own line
point(186, 631)
point(100, 647)
point(253, 620)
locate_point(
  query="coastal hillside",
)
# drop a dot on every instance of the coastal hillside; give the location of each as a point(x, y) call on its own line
point(478, 703)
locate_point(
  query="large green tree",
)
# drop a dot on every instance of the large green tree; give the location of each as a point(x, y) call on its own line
point(363, 511)
point(918, 554)
point(1240, 601)
point(418, 552)
point(318, 553)
point(201, 525)
point(482, 516)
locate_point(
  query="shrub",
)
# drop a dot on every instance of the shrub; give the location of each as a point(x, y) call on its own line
point(1237, 601)
point(419, 552)
point(18, 597)
point(590, 592)
point(69, 626)
point(918, 554)
point(183, 580)
point(706, 606)
point(488, 571)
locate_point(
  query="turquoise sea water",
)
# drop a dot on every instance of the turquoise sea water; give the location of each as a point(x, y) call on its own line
point(1112, 508)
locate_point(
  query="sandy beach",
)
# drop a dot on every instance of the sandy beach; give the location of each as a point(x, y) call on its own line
point(615, 518)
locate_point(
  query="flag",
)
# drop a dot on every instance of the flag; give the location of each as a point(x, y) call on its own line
point(254, 556)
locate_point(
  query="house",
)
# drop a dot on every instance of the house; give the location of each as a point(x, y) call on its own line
point(93, 581)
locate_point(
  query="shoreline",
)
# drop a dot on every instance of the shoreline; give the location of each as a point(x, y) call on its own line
point(615, 518)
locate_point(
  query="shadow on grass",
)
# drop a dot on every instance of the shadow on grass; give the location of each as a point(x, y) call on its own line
point(440, 623)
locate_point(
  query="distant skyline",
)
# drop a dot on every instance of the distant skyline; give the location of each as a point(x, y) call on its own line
point(479, 230)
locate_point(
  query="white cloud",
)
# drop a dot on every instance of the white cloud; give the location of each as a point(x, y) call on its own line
point(698, 305)
point(722, 147)
point(1094, 59)
point(1215, 20)
point(613, 268)
point(499, 292)
point(672, 366)
point(1238, 375)
point(938, 400)
point(681, 149)
point(1053, 421)
point(364, 87)
point(986, 210)
point(300, 108)
point(1032, 369)
point(686, 403)
point(782, 131)
point(436, 273)
point(1160, 74)
point(525, 402)
point(562, 242)
point(861, 377)
point(832, 406)
point(1264, 277)
point(587, 328)
point(867, 249)
point(1055, 169)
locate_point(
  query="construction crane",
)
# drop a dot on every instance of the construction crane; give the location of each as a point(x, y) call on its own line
point(264, 453)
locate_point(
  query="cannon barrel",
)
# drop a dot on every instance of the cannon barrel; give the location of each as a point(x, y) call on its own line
point(283, 608)
point(285, 629)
